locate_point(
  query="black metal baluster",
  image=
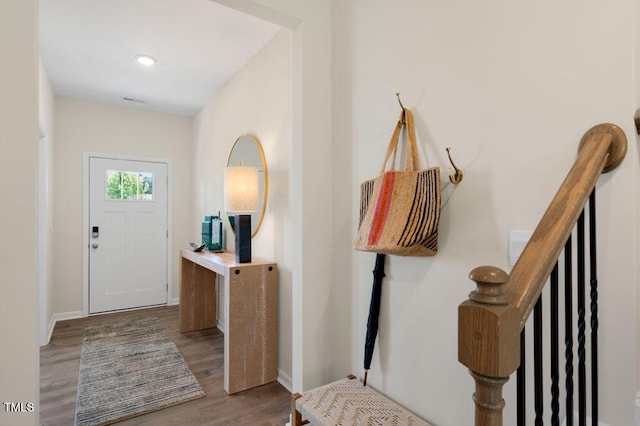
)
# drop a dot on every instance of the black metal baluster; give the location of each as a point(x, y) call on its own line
point(521, 382)
point(594, 307)
point(537, 361)
point(555, 391)
point(568, 329)
point(582, 370)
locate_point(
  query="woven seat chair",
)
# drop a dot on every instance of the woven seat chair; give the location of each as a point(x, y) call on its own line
point(348, 402)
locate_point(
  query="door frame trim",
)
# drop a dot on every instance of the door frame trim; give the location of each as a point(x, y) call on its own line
point(85, 219)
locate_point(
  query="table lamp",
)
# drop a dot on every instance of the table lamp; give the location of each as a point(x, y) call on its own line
point(241, 198)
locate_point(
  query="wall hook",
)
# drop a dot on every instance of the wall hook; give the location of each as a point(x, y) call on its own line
point(399, 101)
point(455, 178)
point(401, 106)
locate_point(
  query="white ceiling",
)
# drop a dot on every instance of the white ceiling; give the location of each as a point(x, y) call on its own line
point(88, 48)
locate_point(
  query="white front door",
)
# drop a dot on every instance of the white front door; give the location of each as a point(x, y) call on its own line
point(128, 234)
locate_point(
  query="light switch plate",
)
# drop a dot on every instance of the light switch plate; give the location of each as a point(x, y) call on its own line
point(517, 242)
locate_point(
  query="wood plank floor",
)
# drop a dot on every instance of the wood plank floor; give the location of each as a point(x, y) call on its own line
point(202, 350)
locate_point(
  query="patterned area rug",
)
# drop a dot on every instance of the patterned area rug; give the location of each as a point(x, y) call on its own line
point(128, 369)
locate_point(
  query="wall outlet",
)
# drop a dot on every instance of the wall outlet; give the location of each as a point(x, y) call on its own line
point(517, 242)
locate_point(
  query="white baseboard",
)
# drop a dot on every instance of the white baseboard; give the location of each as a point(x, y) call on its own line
point(76, 314)
point(638, 408)
point(67, 316)
point(285, 380)
point(52, 325)
point(60, 317)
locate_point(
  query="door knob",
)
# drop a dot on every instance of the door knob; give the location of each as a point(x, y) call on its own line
point(94, 245)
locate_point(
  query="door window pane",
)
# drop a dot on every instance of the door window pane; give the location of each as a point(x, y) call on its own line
point(123, 185)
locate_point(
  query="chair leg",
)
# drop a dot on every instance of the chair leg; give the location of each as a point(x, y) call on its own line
point(296, 417)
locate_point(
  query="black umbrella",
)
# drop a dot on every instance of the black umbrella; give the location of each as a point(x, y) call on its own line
point(374, 313)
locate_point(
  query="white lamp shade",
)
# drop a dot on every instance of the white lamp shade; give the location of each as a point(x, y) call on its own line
point(241, 189)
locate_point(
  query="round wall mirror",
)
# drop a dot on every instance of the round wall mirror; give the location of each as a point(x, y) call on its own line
point(247, 151)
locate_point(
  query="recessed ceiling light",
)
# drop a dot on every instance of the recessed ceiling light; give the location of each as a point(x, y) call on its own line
point(145, 60)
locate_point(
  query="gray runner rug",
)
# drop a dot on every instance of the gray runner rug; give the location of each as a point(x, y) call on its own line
point(128, 369)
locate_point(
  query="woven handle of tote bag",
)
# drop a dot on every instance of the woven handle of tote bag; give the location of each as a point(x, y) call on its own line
point(411, 154)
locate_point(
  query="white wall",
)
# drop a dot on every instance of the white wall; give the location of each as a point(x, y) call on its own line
point(45, 267)
point(511, 87)
point(636, 276)
point(500, 82)
point(258, 101)
point(320, 303)
point(18, 172)
point(90, 127)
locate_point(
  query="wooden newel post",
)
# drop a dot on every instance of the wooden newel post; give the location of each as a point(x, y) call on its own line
point(488, 399)
point(489, 341)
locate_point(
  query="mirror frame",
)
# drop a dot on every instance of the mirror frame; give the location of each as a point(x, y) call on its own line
point(265, 174)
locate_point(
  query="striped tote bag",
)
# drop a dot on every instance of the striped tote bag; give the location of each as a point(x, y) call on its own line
point(400, 209)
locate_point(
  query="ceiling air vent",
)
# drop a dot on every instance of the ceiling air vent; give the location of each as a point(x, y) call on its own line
point(140, 101)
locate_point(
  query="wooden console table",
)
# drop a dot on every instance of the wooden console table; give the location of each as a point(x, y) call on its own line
point(251, 303)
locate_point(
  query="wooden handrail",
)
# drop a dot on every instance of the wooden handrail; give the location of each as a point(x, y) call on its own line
point(490, 322)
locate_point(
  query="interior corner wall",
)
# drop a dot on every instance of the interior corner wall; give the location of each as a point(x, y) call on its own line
point(19, 358)
point(511, 87)
point(46, 117)
point(82, 126)
point(319, 352)
point(257, 101)
point(634, 138)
